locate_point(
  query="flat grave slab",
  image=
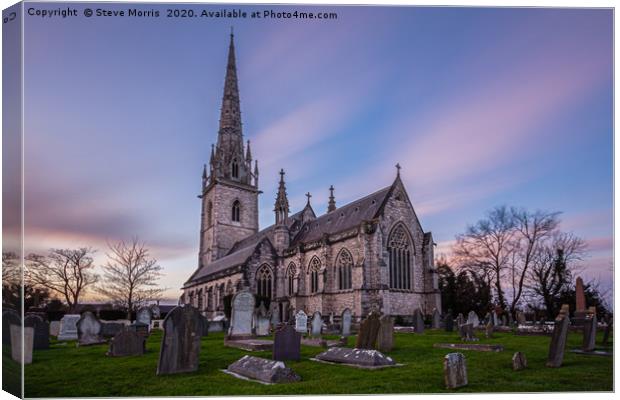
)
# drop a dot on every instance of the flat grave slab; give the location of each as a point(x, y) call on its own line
point(262, 370)
point(593, 353)
point(404, 329)
point(470, 346)
point(359, 358)
point(250, 344)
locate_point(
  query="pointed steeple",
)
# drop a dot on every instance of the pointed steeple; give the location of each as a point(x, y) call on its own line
point(204, 176)
point(231, 111)
point(248, 153)
point(281, 207)
point(331, 205)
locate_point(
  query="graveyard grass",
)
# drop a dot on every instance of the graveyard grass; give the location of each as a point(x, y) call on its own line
point(65, 370)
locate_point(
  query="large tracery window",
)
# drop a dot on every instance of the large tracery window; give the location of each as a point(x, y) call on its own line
point(236, 211)
point(400, 250)
point(290, 278)
point(315, 266)
point(264, 279)
point(344, 265)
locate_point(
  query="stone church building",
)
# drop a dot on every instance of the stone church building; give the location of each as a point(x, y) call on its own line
point(369, 254)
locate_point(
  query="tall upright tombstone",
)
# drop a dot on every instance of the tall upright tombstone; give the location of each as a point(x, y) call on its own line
point(472, 318)
point(16, 343)
point(9, 317)
point(455, 370)
point(460, 319)
point(589, 330)
point(385, 339)
point(41, 331)
point(286, 343)
point(242, 313)
point(180, 345)
point(558, 339)
point(345, 322)
point(418, 321)
point(369, 330)
point(436, 319)
point(262, 322)
point(89, 330)
point(448, 322)
point(68, 327)
point(580, 296)
point(301, 322)
point(317, 324)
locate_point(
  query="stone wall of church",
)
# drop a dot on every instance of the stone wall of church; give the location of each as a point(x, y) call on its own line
point(217, 289)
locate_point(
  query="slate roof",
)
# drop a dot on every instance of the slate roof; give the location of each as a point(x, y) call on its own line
point(343, 218)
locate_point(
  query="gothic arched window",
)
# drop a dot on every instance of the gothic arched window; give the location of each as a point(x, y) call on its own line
point(210, 299)
point(209, 213)
point(400, 251)
point(264, 279)
point(290, 278)
point(236, 211)
point(315, 266)
point(200, 299)
point(344, 264)
point(235, 169)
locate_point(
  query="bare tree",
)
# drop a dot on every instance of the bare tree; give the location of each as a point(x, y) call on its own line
point(11, 273)
point(130, 275)
point(486, 248)
point(68, 272)
point(552, 269)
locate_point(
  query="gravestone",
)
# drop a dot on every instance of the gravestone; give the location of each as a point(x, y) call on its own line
point(466, 331)
point(436, 319)
point(385, 339)
point(317, 324)
point(472, 318)
point(140, 328)
point(41, 331)
point(418, 321)
point(488, 330)
point(331, 318)
point(111, 329)
point(455, 370)
point(301, 322)
point(275, 318)
point(89, 330)
point(363, 358)
point(262, 325)
point(580, 297)
point(460, 320)
point(448, 322)
point(286, 343)
point(345, 322)
point(521, 318)
point(205, 326)
point(16, 343)
point(144, 316)
point(242, 311)
point(68, 327)
point(216, 325)
point(589, 330)
point(180, 345)
point(519, 361)
point(54, 328)
point(470, 346)
point(155, 312)
point(260, 369)
point(9, 317)
point(558, 339)
point(368, 332)
point(127, 343)
point(494, 318)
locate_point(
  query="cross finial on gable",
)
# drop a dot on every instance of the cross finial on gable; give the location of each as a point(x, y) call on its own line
point(308, 195)
point(398, 169)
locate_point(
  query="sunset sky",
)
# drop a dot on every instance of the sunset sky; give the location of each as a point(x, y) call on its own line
point(481, 107)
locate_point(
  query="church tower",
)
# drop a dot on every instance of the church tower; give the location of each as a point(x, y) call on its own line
point(230, 188)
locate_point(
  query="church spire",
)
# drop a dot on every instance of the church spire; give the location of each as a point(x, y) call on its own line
point(331, 205)
point(281, 206)
point(231, 111)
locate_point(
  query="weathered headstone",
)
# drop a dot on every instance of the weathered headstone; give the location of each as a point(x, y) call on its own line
point(144, 316)
point(41, 331)
point(436, 319)
point(68, 327)
point(488, 330)
point(589, 330)
point(368, 332)
point(466, 331)
point(301, 322)
point(580, 297)
point(180, 345)
point(16, 343)
point(127, 343)
point(54, 328)
point(111, 329)
point(89, 330)
point(385, 338)
point(558, 339)
point(472, 318)
point(418, 321)
point(346, 323)
point(460, 319)
point(364, 358)
point(262, 325)
point(521, 318)
point(9, 317)
point(275, 318)
point(286, 343)
point(455, 370)
point(260, 369)
point(242, 311)
point(519, 361)
point(448, 322)
point(317, 324)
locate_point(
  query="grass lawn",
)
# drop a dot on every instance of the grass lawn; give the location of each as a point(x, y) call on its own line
point(65, 371)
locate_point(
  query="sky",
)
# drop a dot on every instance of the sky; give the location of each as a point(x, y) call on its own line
point(481, 107)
